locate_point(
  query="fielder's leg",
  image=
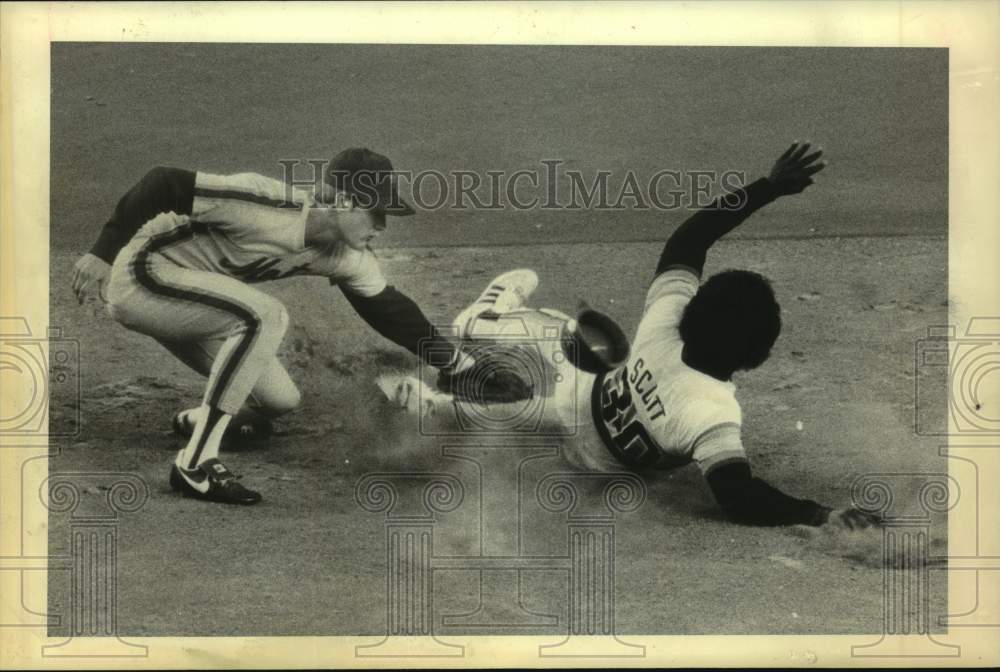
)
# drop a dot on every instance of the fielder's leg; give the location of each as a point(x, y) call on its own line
point(274, 394)
point(172, 303)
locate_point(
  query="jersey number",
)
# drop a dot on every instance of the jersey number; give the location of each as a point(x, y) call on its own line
point(631, 440)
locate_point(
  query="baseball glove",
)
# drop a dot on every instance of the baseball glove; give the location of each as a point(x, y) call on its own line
point(493, 379)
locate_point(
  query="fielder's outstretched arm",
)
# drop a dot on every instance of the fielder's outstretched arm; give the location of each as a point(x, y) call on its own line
point(689, 244)
point(399, 319)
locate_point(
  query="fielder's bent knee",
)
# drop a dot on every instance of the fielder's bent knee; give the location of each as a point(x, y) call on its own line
point(273, 317)
point(275, 401)
point(289, 401)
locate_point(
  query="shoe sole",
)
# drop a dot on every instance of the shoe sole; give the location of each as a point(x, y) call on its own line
point(521, 282)
point(179, 484)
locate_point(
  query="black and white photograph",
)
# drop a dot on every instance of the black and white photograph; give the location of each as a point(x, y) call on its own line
point(412, 343)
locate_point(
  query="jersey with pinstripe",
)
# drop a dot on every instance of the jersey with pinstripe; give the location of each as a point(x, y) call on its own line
point(686, 415)
point(252, 228)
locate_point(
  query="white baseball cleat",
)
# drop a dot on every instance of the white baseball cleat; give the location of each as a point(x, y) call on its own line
point(412, 394)
point(508, 291)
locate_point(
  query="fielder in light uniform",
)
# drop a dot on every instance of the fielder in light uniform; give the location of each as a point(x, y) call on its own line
point(185, 278)
point(672, 402)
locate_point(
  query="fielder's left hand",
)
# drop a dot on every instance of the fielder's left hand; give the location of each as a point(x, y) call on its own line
point(90, 273)
point(793, 170)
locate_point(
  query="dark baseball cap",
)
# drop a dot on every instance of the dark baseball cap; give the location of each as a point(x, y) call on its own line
point(369, 178)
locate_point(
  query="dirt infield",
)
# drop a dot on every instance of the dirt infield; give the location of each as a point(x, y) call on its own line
point(859, 265)
point(310, 560)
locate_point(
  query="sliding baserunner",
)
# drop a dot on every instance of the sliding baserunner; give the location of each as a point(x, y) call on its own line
point(673, 401)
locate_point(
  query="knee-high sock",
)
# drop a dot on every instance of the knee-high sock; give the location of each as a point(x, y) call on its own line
point(207, 437)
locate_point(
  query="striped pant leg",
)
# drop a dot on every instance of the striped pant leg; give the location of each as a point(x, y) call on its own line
point(274, 394)
point(184, 306)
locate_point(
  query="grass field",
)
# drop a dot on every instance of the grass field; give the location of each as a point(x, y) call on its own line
point(859, 264)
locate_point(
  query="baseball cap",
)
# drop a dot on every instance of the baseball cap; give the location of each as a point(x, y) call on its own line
point(369, 178)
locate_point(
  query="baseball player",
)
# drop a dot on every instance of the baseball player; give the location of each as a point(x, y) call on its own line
point(672, 401)
point(188, 248)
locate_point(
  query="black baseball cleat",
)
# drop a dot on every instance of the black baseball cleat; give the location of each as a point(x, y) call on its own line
point(242, 428)
point(212, 482)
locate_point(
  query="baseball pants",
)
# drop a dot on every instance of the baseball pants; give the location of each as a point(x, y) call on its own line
point(217, 325)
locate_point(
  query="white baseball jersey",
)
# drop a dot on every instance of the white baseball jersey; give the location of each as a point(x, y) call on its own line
point(655, 410)
point(252, 228)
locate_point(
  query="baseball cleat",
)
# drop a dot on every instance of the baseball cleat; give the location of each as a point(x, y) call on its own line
point(212, 482)
point(508, 291)
point(240, 429)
